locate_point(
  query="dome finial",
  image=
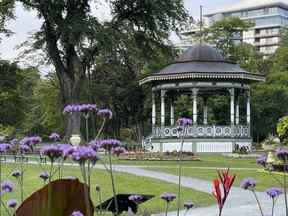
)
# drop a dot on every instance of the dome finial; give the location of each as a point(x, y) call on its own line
point(201, 23)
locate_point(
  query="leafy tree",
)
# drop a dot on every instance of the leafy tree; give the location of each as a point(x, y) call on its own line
point(44, 112)
point(225, 33)
point(70, 36)
point(282, 129)
point(16, 86)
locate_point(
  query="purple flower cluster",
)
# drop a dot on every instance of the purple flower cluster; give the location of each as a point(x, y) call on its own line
point(188, 205)
point(12, 203)
point(44, 175)
point(79, 108)
point(274, 192)
point(30, 141)
point(136, 198)
point(282, 154)
point(119, 150)
point(4, 147)
point(184, 122)
point(261, 160)
point(54, 136)
point(81, 154)
point(16, 174)
point(168, 197)
point(53, 151)
point(7, 186)
point(14, 141)
point(248, 184)
point(77, 213)
point(95, 144)
point(24, 148)
point(105, 113)
point(109, 144)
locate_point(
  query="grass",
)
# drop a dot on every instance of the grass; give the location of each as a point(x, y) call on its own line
point(126, 183)
point(206, 168)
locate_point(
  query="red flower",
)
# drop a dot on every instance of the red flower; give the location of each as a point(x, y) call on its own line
point(226, 181)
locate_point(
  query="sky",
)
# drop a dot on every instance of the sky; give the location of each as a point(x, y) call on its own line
point(28, 22)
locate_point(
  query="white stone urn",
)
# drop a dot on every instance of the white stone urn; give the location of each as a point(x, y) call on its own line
point(75, 139)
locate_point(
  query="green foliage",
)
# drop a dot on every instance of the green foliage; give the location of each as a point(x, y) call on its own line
point(183, 106)
point(44, 114)
point(282, 129)
point(7, 131)
point(223, 34)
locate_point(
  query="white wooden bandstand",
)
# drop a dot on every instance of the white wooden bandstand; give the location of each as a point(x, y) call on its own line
point(201, 72)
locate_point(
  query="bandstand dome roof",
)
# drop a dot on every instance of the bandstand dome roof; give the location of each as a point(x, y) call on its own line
point(202, 61)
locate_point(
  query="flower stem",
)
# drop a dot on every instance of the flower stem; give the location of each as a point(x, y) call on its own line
point(166, 210)
point(113, 184)
point(22, 179)
point(6, 209)
point(258, 202)
point(273, 205)
point(50, 189)
point(180, 176)
point(101, 128)
point(220, 211)
point(87, 126)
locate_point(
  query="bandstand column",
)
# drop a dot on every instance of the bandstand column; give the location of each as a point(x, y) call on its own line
point(153, 110)
point(205, 112)
point(232, 105)
point(172, 115)
point(248, 109)
point(194, 95)
point(237, 111)
point(163, 93)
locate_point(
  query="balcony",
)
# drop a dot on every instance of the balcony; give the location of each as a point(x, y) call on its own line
point(204, 131)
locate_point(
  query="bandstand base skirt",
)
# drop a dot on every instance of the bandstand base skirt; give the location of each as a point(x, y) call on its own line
point(199, 145)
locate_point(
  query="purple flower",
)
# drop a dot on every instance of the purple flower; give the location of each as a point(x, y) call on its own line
point(136, 198)
point(31, 141)
point(274, 192)
point(24, 148)
point(54, 136)
point(53, 151)
point(16, 173)
point(282, 154)
point(82, 154)
point(79, 108)
point(188, 205)
point(77, 213)
point(248, 184)
point(44, 175)
point(12, 203)
point(168, 197)
point(184, 122)
point(67, 150)
point(109, 144)
point(119, 150)
point(14, 141)
point(105, 113)
point(88, 108)
point(95, 144)
point(261, 160)
point(4, 147)
point(7, 186)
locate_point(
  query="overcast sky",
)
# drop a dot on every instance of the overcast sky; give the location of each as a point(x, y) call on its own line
point(27, 22)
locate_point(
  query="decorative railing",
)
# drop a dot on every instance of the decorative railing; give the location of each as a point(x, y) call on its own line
point(204, 131)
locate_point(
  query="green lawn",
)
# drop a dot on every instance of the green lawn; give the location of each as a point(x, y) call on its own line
point(206, 168)
point(125, 184)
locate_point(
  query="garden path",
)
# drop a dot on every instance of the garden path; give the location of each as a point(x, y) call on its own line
point(240, 202)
